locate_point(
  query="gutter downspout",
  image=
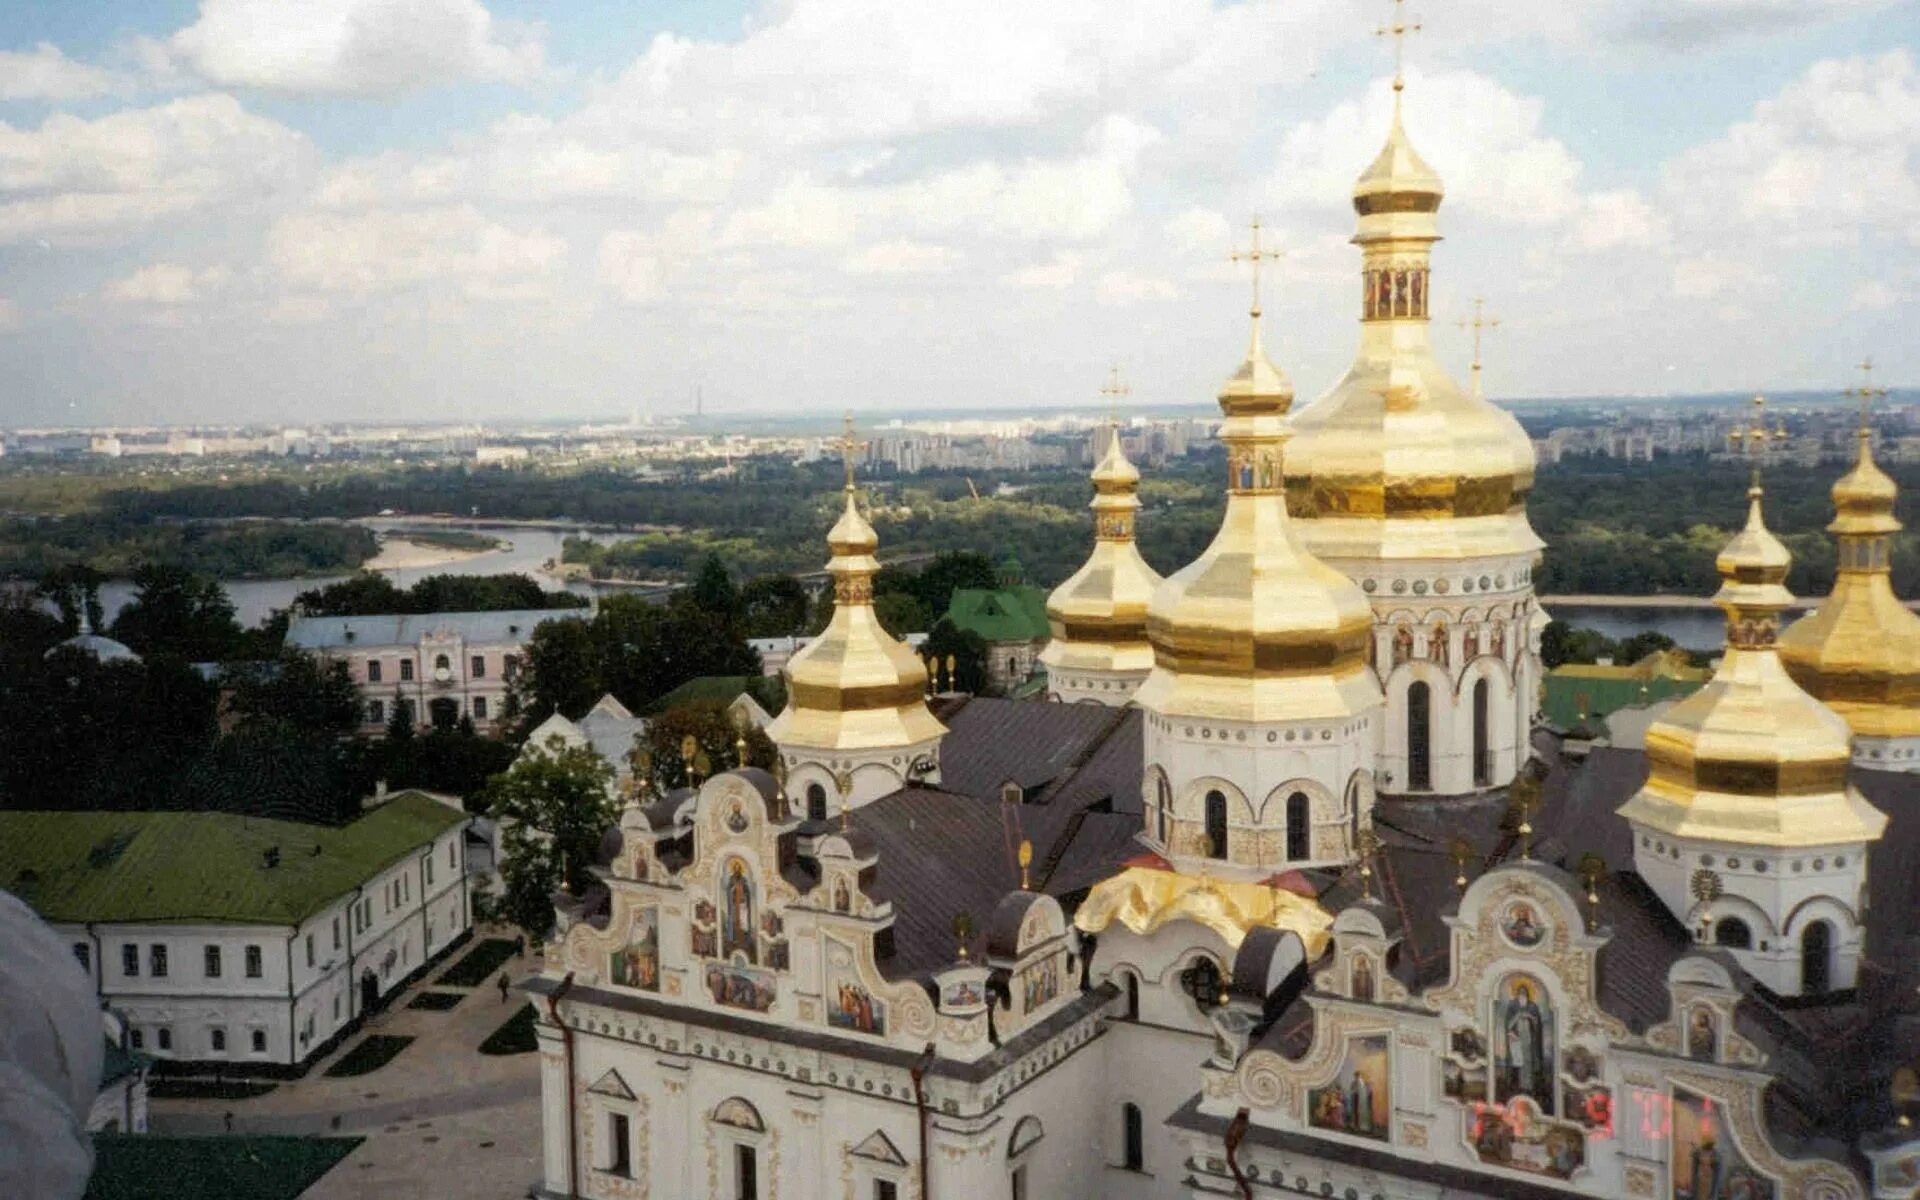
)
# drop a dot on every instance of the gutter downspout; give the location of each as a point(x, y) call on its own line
point(1236, 1133)
point(919, 1074)
point(566, 1045)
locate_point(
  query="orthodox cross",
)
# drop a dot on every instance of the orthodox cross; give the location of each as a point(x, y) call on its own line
point(1113, 389)
point(1254, 256)
point(1525, 796)
point(1398, 31)
point(848, 447)
point(1478, 324)
point(1866, 393)
point(1368, 844)
point(1461, 853)
point(1593, 869)
point(1026, 861)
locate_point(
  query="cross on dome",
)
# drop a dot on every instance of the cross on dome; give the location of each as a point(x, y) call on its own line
point(1398, 31)
point(1254, 255)
point(848, 446)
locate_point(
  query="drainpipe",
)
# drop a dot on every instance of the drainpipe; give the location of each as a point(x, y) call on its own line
point(1237, 1132)
point(566, 1045)
point(919, 1074)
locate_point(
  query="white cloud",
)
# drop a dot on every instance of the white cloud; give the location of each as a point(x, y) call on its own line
point(1693, 23)
point(353, 47)
point(1704, 277)
point(1056, 273)
point(1877, 295)
point(76, 180)
point(1618, 220)
point(381, 251)
point(1122, 288)
point(901, 257)
point(9, 315)
point(1198, 231)
point(168, 283)
point(44, 73)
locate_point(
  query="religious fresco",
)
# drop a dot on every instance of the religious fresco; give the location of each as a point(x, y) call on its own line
point(1357, 1099)
point(1705, 1164)
point(964, 994)
point(1522, 926)
point(736, 912)
point(1516, 1139)
point(738, 986)
point(1360, 981)
point(1470, 643)
point(1039, 983)
point(849, 1004)
point(637, 964)
point(1523, 1042)
point(1402, 643)
point(1463, 1071)
point(1703, 1034)
point(842, 896)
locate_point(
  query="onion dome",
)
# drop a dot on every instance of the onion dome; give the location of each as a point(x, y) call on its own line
point(1099, 615)
point(1257, 628)
point(1860, 651)
point(1396, 460)
point(855, 686)
point(102, 648)
point(1751, 758)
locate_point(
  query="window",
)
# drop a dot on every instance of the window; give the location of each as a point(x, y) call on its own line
point(253, 962)
point(336, 1006)
point(84, 954)
point(377, 711)
point(260, 1038)
point(336, 933)
point(406, 670)
point(816, 802)
point(1733, 933)
point(1132, 1137)
point(479, 708)
point(479, 666)
point(1482, 755)
point(427, 865)
point(1020, 1183)
point(130, 960)
point(217, 1039)
point(213, 962)
point(1816, 958)
point(452, 849)
point(163, 1038)
point(373, 670)
point(1299, 827)
point(1216, 824)
point(442, 665)
point(620, 1145)
point(746, 1173)
point(309, 951)
point(510, 666)
point(885, 1189)
point(137, 1038)
point(1419, 721)
point(157, 960)
point(1133, 997)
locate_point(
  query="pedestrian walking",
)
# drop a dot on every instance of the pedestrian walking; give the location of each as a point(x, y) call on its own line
point(503, 987)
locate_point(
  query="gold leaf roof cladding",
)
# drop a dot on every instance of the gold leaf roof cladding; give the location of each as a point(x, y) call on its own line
point(1751, 758)
point(1396, 461)
point(1145, 898)
point(1859, 652)
point(855, 687)
point(1099, 615)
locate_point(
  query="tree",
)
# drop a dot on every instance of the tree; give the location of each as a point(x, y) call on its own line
point(714, 592)
point(900, 613)
point(1637, 647)
point(302, 690)
point(75, 590)
point(27, 630)
point(400, 721)
point(774, 606)
point(360, 595)
point(554, 805)
point(707, 722)
point(178, 613)
point(969, 652)
point(563, 665)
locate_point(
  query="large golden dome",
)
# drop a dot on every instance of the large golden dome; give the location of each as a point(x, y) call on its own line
point(1859, 652)
point(1257, 628)
point(1751, 758)
point(1396, 460)
point(1099, 615)
point(855, 687)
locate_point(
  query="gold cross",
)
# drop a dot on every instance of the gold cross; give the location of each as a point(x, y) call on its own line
point(1757, 434)
point(1398, 31)
point(848, 447)
point(1114, 387)
point(1866, 393)
point(1479, 323)
point(1256, 255)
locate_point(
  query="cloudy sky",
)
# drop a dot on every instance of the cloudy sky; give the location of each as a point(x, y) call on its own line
point(294, 210)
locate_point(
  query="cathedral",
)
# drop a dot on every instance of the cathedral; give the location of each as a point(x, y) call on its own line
point(1287, 893)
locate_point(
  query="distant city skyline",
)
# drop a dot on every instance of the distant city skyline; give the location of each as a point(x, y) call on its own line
point(255, 211)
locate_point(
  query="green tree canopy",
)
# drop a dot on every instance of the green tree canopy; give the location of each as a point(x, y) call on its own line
point(175, 612)
point(554, 804)
point(706, 722)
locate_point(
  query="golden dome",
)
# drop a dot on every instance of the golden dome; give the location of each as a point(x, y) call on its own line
point(1396, 460)
point(1751, 758)
point(1099, 615)
point(1257, 628)
point(855, 687)
point(1859, 652)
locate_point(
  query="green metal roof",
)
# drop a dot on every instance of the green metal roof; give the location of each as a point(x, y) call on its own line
point(769, 691)
point(1002, 614)
point(1607, 689)
point(203, 866)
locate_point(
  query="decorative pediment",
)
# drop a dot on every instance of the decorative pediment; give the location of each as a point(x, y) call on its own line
point(612, 1085)
point(1700, 1024)
point(877, 1148)
point(1030, 952)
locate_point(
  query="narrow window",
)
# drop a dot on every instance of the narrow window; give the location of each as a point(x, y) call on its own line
point(138, 1038)
point(885, 1189)
point(309, 951)
point(816, 802)
point(376, 711)
point(218, 1040)
point(1816, 958)
point(406, 670)
point(1482, 753)
point(1020, 1183)
point(213, 962)
point(253, 962)
point(157, 961)
point(1419, 721)
point(260, 1035)
point(130, 960)
point(746, 1173)
point(1133, 997)
point(1136, 1155)
point(373, 670)
point(84, 954)
point(336, 933)
point(479, 666)
point(620, 1141)
point(1299, 827)
point(1216, 824)
point(479, 708)
point(163, 1038)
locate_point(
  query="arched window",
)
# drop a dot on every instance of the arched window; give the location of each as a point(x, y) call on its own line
point(1482, 754)
point(1163, 796)
point(1216, 824)
point(1816, 959)
point(1733, 933)
point(816, 802)
point(1419, 723)
point(1133, 996)
point(1299, 827)
point(1133, 1137)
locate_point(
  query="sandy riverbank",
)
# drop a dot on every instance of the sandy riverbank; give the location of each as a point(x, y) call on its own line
point(402, 554)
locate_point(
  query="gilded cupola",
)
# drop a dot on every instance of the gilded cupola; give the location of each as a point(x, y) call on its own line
point(854, 687)
point(1396, 461)
point(1257, 628)
point(1859, 652)
point(1099, 649)
point(1751, 758)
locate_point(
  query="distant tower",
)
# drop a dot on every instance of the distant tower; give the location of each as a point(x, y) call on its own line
point(856, 725)
point(1417, 491)
point(1746, 827)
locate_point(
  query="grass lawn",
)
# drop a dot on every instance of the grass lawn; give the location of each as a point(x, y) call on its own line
point(374, 1051)
point(436, 1001)
point(481, 965)
point(150, 1167)
point(162, 1087)
point(513, 1037)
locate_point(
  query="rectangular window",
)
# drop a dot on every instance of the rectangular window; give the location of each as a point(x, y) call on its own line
point(157, 960)
point(137, 1038)
point(510, 667)
point(253, 962)
point(130, 960)
point(885, 1189)
point(336, 933)
point(479, 666)
point(450, 852)
point(427, 863)
point(1020, 1183)
point(336, 1006)
point(260, 1038)
point(213, 962)
point(377, 711)
point(163, 1038)
point(406, 670)
point(746, 1173)
point(373, 670)
point(309, 951)
point(84, 953)
point(217, 1038)
point(479, 708)
point(620, 1143)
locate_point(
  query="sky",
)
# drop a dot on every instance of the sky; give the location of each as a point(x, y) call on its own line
point(296, 211)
